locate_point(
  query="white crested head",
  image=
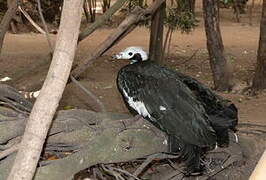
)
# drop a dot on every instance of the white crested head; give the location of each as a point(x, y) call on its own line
point(132, 53)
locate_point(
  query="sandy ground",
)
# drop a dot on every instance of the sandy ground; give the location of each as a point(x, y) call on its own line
point(241, 41)
point(24, 51)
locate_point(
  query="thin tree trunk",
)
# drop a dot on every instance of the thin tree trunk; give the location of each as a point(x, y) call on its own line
point(192, 4)
point(236, 10)
point(251, 12)
point(166, 40)
point(100, 21)
point(169, 42)
point(85, 9)
point(45, 106)
point(106, 5)
point(45, 27)
point(259, 81)
point(12, 22)
point(218, 63)
point(156, 35)
point(92, 6)
point(11, 12)
point(13, 27)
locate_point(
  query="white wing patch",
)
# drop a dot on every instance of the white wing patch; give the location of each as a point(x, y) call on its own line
point(162, 108)
point(137, 105)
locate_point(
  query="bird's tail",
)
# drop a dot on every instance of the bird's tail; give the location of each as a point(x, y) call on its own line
point(222, 134)
point(189, 154)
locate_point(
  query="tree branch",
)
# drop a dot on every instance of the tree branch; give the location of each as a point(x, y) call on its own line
point(101, 20)
point(109, 141)
point(9, 151)
point(27, 16)
point(127, 25)
point(90, 94)
point(45, 27)
point(45, 106)
point(6, 21)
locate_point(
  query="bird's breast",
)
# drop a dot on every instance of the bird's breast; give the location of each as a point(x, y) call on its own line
point(138, 106)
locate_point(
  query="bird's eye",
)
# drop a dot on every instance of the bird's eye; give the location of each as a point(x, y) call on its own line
point(130, 53)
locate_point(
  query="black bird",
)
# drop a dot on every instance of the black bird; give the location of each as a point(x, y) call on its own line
point(192, 115)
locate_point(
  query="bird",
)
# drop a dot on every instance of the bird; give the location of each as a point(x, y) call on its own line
point(193, 116)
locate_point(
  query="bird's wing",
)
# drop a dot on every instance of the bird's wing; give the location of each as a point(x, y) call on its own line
point(222, 112)
point(169, 105)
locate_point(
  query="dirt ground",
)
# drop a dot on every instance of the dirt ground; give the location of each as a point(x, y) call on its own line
point(30, 51)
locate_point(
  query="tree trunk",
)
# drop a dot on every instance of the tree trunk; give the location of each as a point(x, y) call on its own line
point(45, 106)
point(6, 21)
point(100, 21)
point(218, 63)
point(92, 10)
point(12, 22)
point(250, 14)
point(259, 81)
point(236, 9)
point(86, 12)
point(156, 35)
point(192, 5)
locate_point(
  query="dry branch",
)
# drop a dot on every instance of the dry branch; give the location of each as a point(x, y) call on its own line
point(45, 27)
point(102, 19)
point(46, 104)
point(105, 45)
point(27, 16)
point(10, 97)
point(9, 151)
point(90, 94)
point(108, 141)
point(128, 24)
point(110, 146)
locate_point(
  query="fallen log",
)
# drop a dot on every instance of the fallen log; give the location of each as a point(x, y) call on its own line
point(91, 138)
point(95, 138)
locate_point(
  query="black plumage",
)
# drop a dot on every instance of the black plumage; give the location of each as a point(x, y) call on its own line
point(192, 115)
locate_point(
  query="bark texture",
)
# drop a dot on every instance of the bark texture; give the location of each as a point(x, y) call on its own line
point(45, 106)
point(156, 35)
point(94, 137)
point(259, 81)
point(102, 19)
point(218, 62)
point(192, 5)
point(6, 21)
